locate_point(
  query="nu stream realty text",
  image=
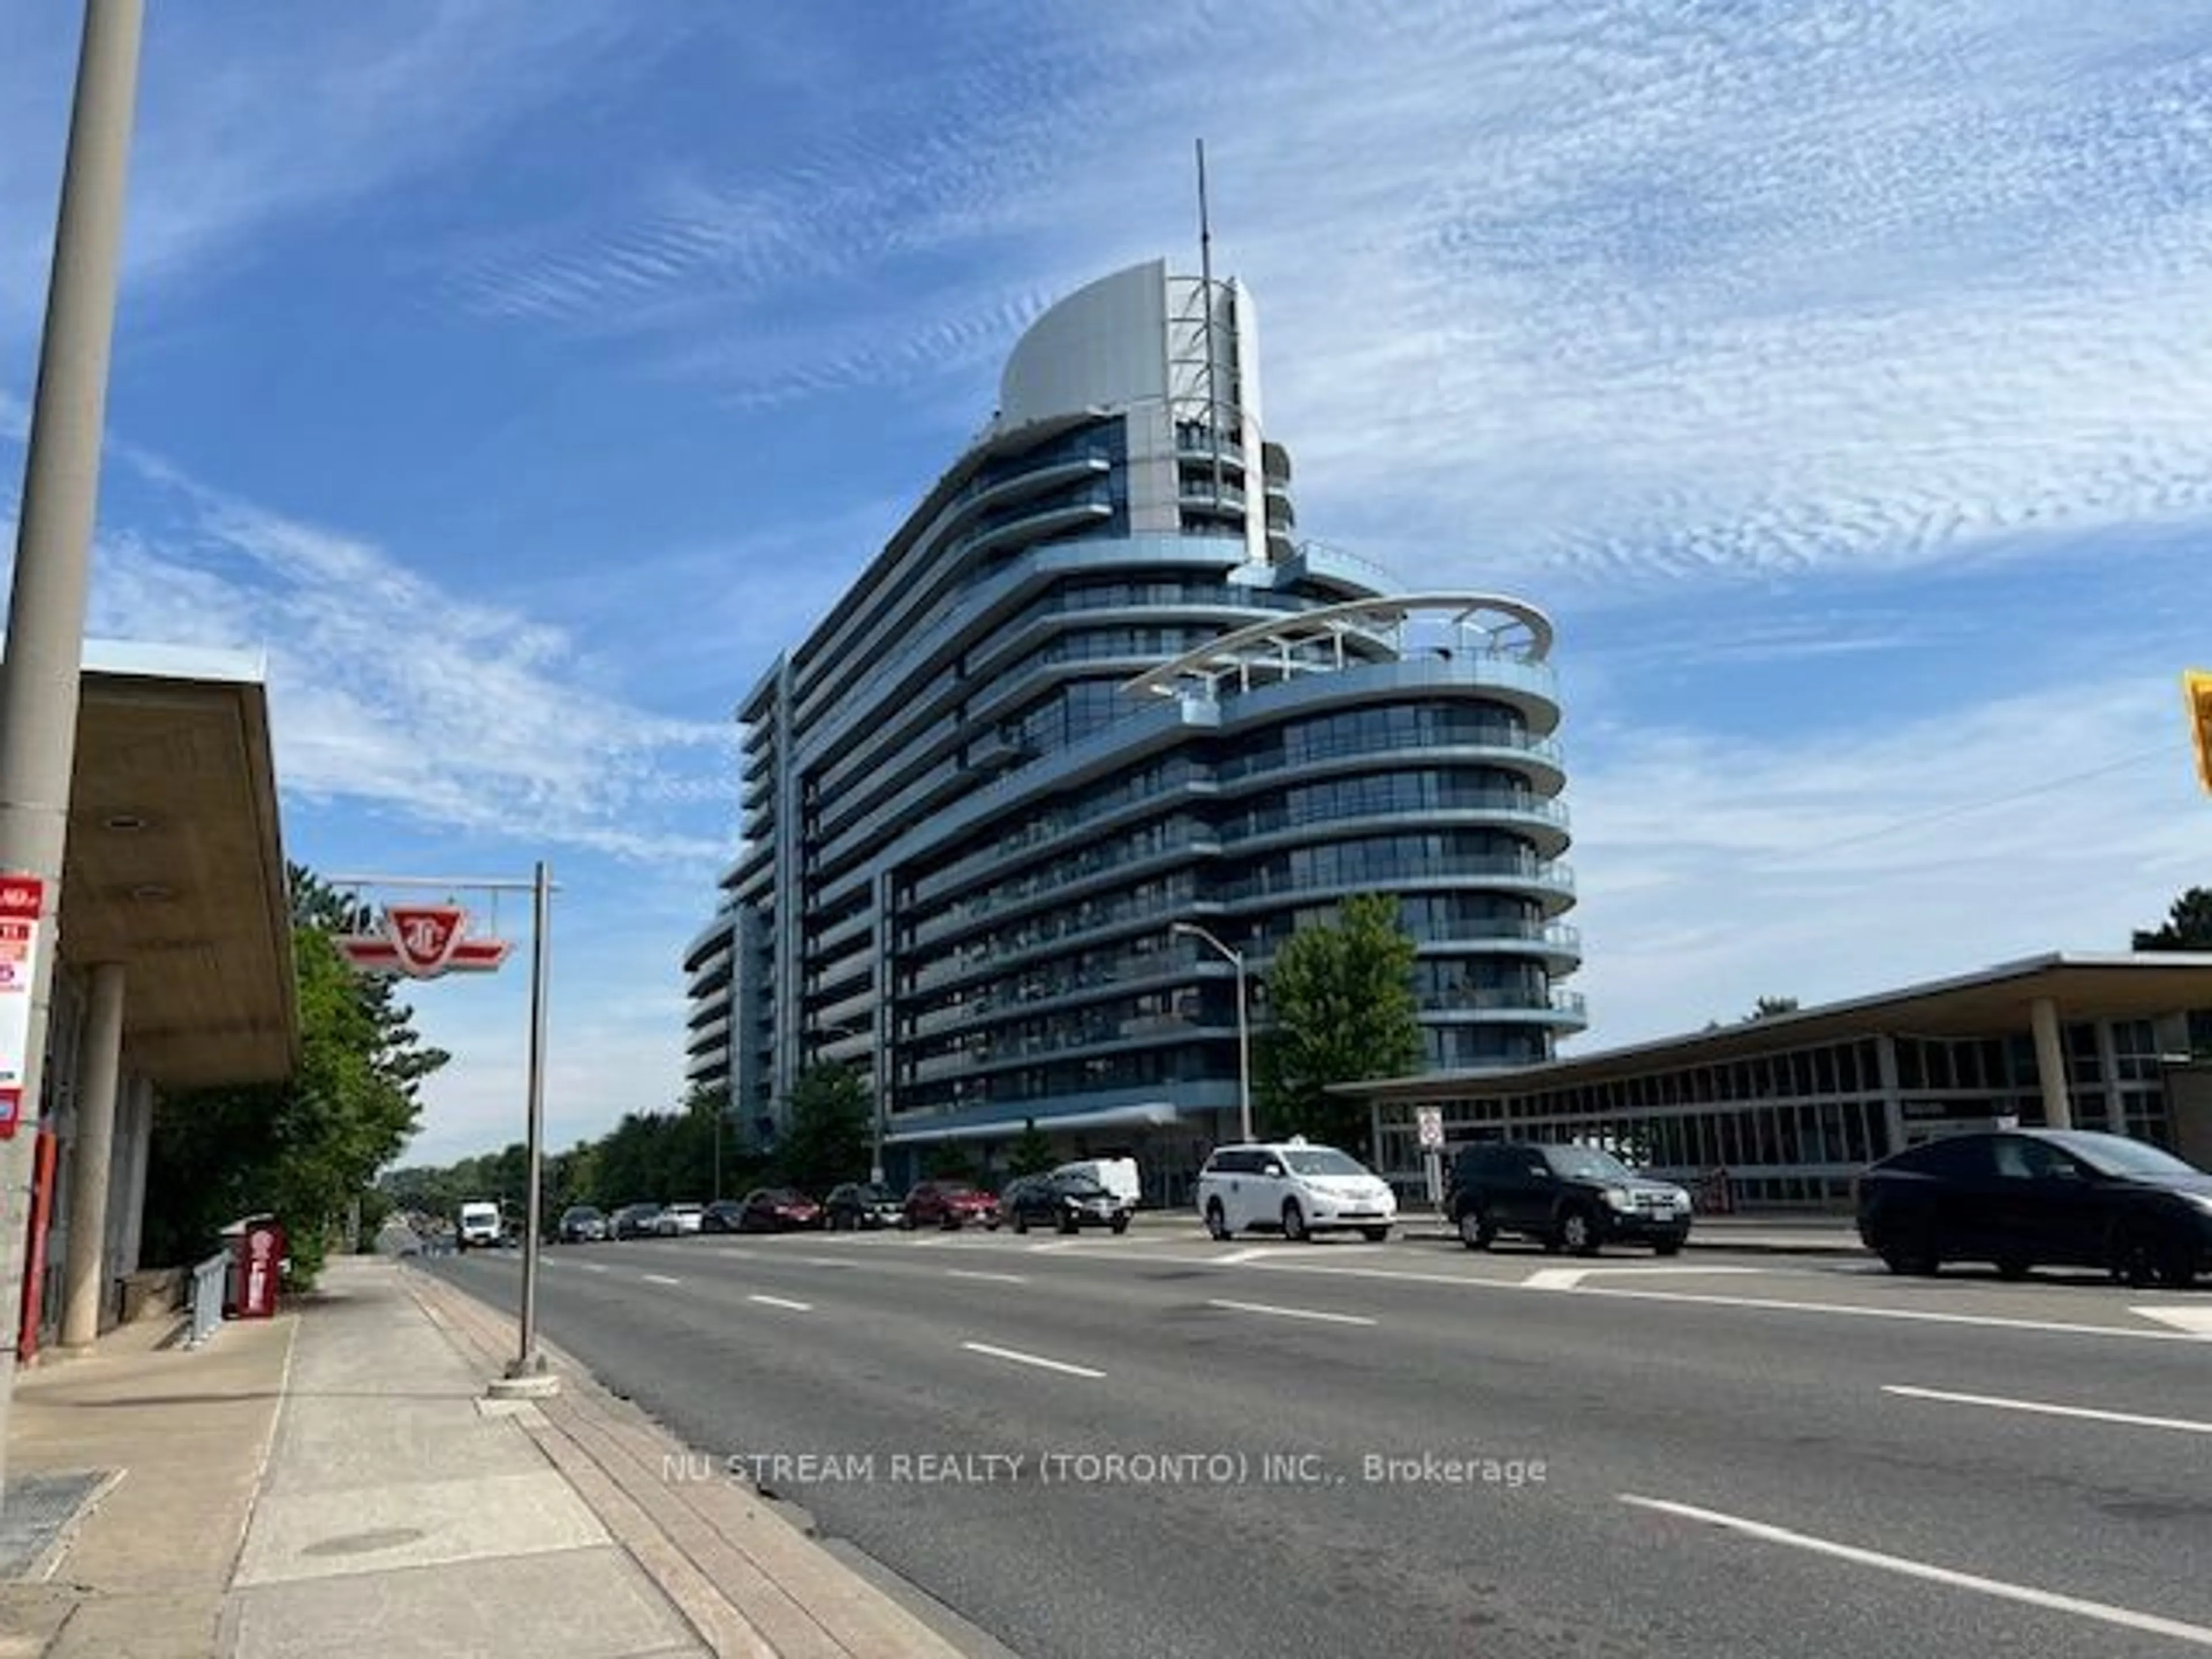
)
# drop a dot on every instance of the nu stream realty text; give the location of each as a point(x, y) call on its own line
point(1137, 1468)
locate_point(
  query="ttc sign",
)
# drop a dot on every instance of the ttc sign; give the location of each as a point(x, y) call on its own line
point(423, 941)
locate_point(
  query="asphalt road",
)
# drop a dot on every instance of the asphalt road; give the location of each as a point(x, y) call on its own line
point(1160, 1445)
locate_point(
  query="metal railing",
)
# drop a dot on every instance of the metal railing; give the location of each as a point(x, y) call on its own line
point(210, 1280)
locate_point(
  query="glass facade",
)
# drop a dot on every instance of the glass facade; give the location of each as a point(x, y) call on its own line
point(1094, 687)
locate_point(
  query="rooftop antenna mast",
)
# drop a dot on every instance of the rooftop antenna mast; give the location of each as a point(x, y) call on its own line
point(1206, 303)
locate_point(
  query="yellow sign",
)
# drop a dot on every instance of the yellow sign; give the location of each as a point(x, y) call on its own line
point(2197, 690)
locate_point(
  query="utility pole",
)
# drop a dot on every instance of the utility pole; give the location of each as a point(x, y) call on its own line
point(41, 675)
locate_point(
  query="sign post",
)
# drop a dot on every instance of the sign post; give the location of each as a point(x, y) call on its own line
point(429, 941)
point(1430, 1122)
point(21, 898)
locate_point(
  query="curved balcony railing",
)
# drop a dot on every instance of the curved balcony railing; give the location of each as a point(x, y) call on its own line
point(1549, 874)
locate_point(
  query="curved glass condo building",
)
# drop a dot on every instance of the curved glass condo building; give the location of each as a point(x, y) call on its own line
point(1095, 685)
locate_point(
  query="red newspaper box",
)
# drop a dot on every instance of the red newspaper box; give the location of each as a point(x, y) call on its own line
point(256, 1266)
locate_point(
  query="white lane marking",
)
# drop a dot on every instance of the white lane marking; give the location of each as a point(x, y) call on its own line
point(1567, 1279)
point(2103, 1612)
point(1773, 1304)
point(662, 1279)
point(996, 1278)
point(1056, 1245)
point(824, 1261)
point(1554, 1279)
point(2185, 1426)
point(2195, 1320)
point(597, 1268)
point(1236, 1257)
point(782, 1302)
point(1291, 1313)
point(1038, 1360)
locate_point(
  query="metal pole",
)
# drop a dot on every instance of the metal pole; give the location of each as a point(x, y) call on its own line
point(39, 676)
point(529, 1362)
point(874, 1164)
point(1243, 1053)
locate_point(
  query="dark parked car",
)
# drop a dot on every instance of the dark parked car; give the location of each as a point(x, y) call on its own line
point(724, 1215)
point(581, 1225)
point(778, 1210)
point(2024, 1198)
point(1566, 1198)
point(636, 1221)
point(859, 1204)
point(948, 1204)
point(1068, 1202)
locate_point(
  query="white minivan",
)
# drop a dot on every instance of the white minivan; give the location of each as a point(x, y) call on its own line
point(1118, 1175)
point(480, 1226)
point(1295, 1189)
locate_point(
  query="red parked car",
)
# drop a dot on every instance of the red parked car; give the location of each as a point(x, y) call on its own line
point(949, 1204)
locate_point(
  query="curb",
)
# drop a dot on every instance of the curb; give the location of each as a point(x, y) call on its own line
point(744, 1577)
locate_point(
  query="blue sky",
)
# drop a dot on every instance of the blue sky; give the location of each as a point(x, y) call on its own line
point(520, 375)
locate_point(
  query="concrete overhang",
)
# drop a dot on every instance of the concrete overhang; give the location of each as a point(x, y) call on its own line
point(1996, 1002)
point(175, 866)
point(1152, 1114)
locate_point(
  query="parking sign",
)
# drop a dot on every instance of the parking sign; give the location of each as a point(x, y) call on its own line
point(1431, 1121)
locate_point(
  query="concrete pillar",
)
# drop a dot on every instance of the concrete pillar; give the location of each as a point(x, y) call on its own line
point(1893, 1099)
point(82, 1285)
point(130, 1188)
point(2050, 1064)
point(2108, 1077)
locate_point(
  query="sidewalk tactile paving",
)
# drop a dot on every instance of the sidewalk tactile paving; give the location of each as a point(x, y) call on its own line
point(38, 1509)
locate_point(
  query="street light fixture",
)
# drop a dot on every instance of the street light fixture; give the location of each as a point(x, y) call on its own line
point(1243, 1028)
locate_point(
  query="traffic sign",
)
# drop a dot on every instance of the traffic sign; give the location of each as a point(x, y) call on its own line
point(1431, 1121)
point(423, 941)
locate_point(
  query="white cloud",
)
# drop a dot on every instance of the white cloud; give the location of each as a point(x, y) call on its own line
point(1590, 295)
point(247, 116)
point(390, 691)
point(1832, 863)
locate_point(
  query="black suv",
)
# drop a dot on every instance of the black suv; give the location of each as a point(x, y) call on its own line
point(1065, 1201)
point(1566, 1198)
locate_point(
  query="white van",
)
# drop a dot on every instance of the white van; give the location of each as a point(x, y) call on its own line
point(1293, 1188)
point(480, 1228)
point(1118, 1175)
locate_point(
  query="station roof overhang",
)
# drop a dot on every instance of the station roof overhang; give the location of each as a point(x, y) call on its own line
point(1994, 1002)
point(175, 867)
point(1152, 1114)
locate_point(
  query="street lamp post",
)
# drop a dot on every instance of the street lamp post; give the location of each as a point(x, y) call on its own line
point(1243, 1026)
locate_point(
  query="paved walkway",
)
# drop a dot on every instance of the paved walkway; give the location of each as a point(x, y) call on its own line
point(334, 1481)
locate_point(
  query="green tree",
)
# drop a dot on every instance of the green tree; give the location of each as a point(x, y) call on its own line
point(826, 1129)
point(1031, 1152)
point(2188, 925)
point(305, 1148)
point(1341, 1009)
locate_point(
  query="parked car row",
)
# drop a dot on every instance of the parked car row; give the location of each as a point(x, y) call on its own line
point(1068, 1198)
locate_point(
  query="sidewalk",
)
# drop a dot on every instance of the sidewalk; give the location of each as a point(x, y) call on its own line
point(334, 1481)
